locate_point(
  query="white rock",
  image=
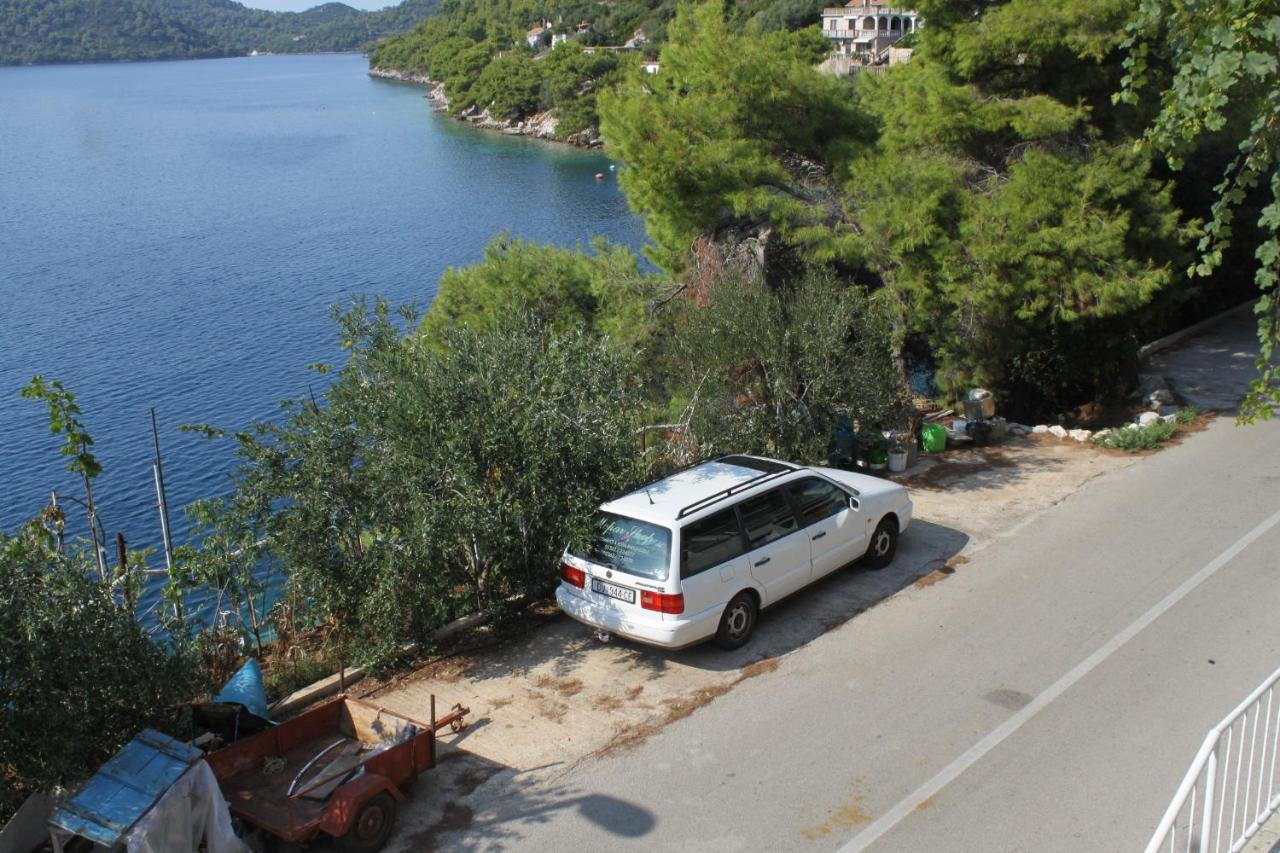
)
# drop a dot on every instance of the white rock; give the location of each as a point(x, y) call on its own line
point(1040, 429)
point(1147, 419)
point(1159, 397)
point(1102, 433)
point(1081, 434)
point(1169, 419)
point(1057, 431)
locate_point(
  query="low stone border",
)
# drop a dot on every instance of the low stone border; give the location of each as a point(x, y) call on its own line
point(1169, 340)
point(327, 687)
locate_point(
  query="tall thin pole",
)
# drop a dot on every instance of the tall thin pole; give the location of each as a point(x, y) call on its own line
point(161, 498)
point(93, 530)
point(162, 505)
point(164, 519)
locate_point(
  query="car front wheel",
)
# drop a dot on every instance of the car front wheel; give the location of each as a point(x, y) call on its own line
point(737, 622)
point(883, 545)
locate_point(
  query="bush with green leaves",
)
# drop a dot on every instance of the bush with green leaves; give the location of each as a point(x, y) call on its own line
point(773, 371)
point(1225, 58)
point(758, 155)
point(442, 477)
point(1133, 438)
point(603, 291)
point(78, 676)
point(987, 186)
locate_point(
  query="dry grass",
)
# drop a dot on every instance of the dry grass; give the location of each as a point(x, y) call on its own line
point(679, 708)
point(566, 687)
point(606, 702)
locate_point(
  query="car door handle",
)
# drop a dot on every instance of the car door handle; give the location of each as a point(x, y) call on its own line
point(818, 536)
point(762, 562)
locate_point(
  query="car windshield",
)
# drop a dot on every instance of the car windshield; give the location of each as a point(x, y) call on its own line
point(627, 545)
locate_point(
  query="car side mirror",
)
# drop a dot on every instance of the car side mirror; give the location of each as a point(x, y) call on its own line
point(853, 503)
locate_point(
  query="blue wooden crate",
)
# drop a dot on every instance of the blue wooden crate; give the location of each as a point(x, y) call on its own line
point(125, 788)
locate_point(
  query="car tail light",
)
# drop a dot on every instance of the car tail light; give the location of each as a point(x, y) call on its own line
point(577, 577)
point(662, 602)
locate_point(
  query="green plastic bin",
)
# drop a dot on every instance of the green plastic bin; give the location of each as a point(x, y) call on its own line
point(933, 438)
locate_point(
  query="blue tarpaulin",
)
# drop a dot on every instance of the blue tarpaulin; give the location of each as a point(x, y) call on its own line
point(126, 787)
point(245, 688)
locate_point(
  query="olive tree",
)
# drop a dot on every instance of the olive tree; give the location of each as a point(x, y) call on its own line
point(439, 477)
point(78, 675)
point(774, 370)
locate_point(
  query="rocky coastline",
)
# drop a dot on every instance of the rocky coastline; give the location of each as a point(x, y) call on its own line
point(537, 126)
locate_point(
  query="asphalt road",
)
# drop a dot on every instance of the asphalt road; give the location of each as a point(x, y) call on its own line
point(1048, 695)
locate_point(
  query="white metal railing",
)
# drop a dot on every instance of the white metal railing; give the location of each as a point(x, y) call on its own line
point(1230, 790)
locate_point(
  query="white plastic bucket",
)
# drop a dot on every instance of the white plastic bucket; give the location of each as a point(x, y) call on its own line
point(897, 461)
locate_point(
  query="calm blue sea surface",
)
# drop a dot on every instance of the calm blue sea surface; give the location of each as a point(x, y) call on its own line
point(171, 235)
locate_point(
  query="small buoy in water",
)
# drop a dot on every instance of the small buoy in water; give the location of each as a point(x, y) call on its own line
point(599, 176)
point(612, 166)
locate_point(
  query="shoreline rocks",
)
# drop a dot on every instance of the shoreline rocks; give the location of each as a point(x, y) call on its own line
point(541, 125)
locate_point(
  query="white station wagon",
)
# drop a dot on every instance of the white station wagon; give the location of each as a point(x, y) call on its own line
point(698, 554)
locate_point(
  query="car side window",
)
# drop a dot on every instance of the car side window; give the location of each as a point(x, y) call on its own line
point(767, 518)
point(709, 542)
point(816, 499)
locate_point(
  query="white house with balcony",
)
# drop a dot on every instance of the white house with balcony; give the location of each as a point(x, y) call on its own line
point(866, 29)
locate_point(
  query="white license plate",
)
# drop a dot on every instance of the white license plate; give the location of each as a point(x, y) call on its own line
point(612, 590)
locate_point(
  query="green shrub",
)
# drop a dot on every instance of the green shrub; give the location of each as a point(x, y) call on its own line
point(1133, 439)
point(79, 676)
point(1187, 415)
point(603, 291)
point(439, 478)
point(773, 371)
point(284, 676)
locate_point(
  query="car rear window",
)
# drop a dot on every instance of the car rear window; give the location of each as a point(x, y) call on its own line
point(628, 545)
point(709, 542)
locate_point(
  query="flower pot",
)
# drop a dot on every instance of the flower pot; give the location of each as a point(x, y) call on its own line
point(897, 461)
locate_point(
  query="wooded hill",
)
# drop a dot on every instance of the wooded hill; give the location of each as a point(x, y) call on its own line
point(42, 31)
point(479, 50)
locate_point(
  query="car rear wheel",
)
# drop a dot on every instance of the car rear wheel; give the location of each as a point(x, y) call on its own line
point(371, 827)
point(883, 545)
point(737, 622)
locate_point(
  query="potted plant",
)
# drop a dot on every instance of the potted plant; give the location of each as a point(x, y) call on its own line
point(876, 447)
point(897, 459)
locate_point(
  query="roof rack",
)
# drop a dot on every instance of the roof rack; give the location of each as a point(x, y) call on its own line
point(778, 471)
point(647, 483)
point(756, 463)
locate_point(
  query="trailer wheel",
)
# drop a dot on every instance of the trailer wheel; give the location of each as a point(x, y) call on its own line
point(371, 827)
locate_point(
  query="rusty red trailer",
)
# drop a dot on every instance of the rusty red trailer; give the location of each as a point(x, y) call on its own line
point(336, 770)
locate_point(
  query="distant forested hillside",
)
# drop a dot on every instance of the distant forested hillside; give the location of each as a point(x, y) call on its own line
point(487, 56)
point(39, 31)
